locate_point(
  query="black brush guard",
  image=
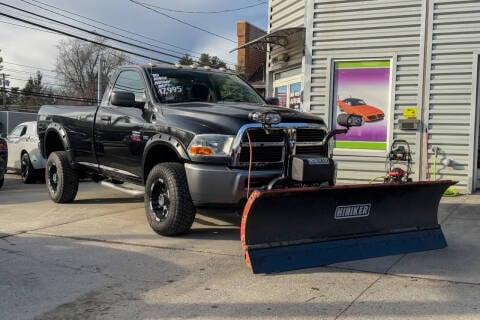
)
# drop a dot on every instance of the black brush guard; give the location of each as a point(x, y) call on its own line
point(288, 229)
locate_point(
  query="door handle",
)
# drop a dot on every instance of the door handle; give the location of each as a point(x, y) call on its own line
point(106, 118)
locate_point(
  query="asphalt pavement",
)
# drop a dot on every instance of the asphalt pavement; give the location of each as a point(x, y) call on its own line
point(97, 258)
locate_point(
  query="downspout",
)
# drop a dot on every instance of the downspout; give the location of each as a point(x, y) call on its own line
point(424, 108)
point(268, 73)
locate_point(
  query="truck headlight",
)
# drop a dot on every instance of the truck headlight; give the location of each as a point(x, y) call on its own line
point(215, 145)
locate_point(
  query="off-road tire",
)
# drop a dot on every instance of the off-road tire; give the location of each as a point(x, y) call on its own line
point(61, 178)
point(27, 172)
point(168, 205)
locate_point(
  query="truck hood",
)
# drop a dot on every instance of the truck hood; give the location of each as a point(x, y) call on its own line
point(225, 118)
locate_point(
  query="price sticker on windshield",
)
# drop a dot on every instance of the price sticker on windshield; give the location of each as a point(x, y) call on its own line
point(410, 113)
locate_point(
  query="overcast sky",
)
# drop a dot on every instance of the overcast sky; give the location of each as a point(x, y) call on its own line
point(31, 47)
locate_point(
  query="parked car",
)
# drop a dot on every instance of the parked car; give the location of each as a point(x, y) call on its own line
point(360, 108)
point(3, 160)
point(24, 155)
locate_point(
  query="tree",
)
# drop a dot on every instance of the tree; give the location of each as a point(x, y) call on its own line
point(211, 61)
point(216, 62)
point(204, 60)
point(186, 60)
point(35, 93)
point(13, 97)
point(77, 66)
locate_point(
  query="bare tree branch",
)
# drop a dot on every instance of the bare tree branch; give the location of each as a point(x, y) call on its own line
point(77, 66)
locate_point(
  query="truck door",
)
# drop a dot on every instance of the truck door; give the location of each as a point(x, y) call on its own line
point(119, 141)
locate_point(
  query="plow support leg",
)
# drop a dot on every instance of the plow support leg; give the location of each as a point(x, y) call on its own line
point(290, 229)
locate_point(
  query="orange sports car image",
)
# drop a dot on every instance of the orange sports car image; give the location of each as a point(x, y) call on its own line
point(359, 107)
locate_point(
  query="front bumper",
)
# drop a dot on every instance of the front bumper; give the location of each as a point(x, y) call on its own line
point(212, 185)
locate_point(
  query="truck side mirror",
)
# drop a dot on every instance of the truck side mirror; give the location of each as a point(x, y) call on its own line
point(122, 99)
point(272, 101)
point(349, 120)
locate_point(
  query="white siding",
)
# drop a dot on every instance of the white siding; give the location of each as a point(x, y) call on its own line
point(451, 107)
point(287, 14)
point(379, 29)
point(434, 46)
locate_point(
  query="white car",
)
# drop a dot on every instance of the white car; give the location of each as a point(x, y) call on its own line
point(23, 152)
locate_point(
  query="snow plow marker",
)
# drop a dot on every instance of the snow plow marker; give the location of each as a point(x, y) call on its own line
point(289, 229)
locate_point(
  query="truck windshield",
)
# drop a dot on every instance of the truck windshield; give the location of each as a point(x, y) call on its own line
point(177, 86)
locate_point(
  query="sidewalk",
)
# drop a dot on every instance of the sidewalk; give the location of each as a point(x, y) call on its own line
point(97, 258)
point(459, 262)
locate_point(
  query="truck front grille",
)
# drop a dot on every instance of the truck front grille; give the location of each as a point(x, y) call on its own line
point(260, 135)
point(310, 135)
point(262, 154)
point(269, 149)
point(309, 150)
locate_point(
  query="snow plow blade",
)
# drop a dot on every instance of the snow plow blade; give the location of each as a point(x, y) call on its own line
point(289, 229)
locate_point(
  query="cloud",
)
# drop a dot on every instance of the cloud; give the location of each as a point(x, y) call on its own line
point(29, 47)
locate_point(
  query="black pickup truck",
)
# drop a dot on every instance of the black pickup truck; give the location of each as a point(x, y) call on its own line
point(191, 136)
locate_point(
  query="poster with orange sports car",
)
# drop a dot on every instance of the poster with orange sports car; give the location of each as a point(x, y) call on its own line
point(363, 88)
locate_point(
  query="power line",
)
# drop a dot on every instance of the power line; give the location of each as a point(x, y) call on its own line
point(47, 95)
point(203, 12)
point(93, 26)
point(181, 21)
point(91, 32)
point(28, 66)
point(56, 32)
point(51, 96)
point(117, 28)
point(28, 72)
point(114, 27)
point(82, 38)
point(19, 25)
point(43, 83)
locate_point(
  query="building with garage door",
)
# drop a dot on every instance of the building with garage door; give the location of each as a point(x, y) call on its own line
point(409, 67)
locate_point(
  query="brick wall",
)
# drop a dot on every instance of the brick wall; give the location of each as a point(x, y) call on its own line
point(249, 59)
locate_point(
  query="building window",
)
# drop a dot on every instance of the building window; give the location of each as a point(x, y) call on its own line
point(295, 96)
point(363, 88)
point(281, 94)
point(288, 88)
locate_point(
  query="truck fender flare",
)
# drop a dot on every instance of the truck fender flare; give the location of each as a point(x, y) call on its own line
point(61, 132)
point(165, 140)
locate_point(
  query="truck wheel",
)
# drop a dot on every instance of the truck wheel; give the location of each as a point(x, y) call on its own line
point(61, 178)
point(26, 169)
point(168, 205)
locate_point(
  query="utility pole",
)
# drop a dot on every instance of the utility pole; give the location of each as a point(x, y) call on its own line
point(99, 82)
point(4, 92)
